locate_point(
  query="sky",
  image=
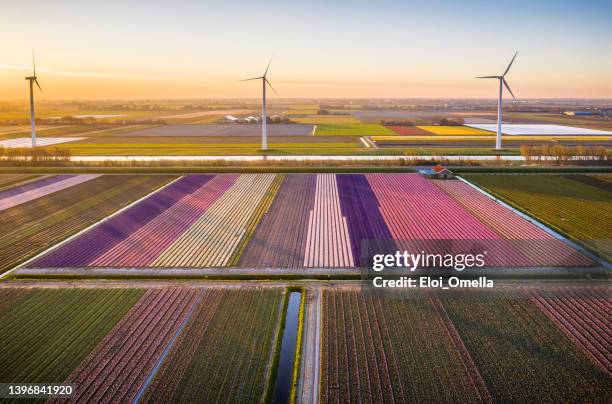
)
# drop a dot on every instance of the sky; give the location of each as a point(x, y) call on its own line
point(320, 49)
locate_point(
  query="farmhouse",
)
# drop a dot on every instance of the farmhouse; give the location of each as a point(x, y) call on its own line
point(437, 172)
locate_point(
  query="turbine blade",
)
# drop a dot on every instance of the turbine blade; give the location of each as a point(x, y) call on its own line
point(271, 86)
point(508, 87)
point(36, 81)
point(253, 78)
point(512, 61)
point(487, 77)
point(33, 64)
point(267, 67)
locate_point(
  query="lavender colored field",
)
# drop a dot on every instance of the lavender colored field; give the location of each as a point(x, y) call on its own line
point(365, 221)
point(249, 130)
point(310, 221)
point(83, 250)
point(143, 246)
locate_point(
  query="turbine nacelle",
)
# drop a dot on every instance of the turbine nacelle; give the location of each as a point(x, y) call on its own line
point(502, 78)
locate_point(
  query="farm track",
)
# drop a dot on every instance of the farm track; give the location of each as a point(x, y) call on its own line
point(214, 237)
point(56, 336)
point(31, 227)
point(230, 340)
point(279, 241)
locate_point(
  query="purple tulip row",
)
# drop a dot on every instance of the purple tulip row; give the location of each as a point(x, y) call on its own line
point(89, 246)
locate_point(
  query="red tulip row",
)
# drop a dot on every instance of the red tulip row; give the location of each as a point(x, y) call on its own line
point(116, 369)
point(584, 315)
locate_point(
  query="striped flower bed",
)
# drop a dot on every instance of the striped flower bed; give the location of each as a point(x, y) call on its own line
point(542, 248)
point(327, 243)
point(37, 189)
point(119, 365)
point(212, 239)
point(365, 221)
point(422, 217)
point(143, 246)
point(279, 242)
point(309, 221)
point(583, 314)
point(83, 250)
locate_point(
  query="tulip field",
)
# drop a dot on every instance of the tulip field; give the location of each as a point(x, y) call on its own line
point(463, 347)
point(37, 189)
point(309, 221)
point(33, 226)
point(126, 344)
point(584, 315)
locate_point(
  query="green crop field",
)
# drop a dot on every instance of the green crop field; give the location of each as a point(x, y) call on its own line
point(327, 119)
point(31, 227)
point(361, 129)
point(230, 343)
point(201, 149)
point(581, 211)
point(522, 356)
point(389, 350)
point(47, 333)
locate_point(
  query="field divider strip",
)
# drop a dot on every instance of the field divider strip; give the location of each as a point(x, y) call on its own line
point(541, 225)
point(65, 241)
point(166, 351)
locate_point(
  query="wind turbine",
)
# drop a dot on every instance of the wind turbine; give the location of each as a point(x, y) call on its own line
point(33, 79)
point(264, 117)
point(502, 83)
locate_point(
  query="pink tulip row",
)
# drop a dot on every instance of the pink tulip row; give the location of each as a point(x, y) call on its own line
point(142, 247)
point(327, 242)
point(421, 216)
point(541, 247)
point(116, 369)
point(584, 315)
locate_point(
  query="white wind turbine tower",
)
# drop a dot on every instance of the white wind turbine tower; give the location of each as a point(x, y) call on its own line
point(264, 117)
point(502, 83)
point(33, 79)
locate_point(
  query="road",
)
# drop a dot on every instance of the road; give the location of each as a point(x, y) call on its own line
point(308, 385)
